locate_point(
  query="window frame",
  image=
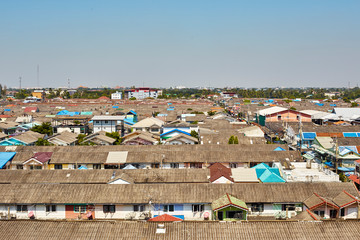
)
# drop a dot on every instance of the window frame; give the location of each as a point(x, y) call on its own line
point(21, 208)
point(168, 208)
point(109, 208)
point(257, 207)
point(50, 208)
point(289, 206)
point(174, 165)
point(82, 208)
point(139, 208)
point(198, 208)
point(58, 166)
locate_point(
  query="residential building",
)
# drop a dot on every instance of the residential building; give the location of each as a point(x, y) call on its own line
point(108, 123)
point(116, 95)
point(142, 93)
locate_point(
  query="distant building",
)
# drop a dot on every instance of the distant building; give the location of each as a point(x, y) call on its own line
point(39, 94)
point(117, 95)
point(142, 93)
point(229, 95)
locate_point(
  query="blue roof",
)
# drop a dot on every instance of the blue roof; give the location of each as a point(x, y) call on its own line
point(329, 164)
point(5, 157)
point(269, 176)
point(115, 106)
point(261, 166)
point(7, 110)
point(175, 130)
point(129, 121)
point(309, 135)
point(82, 168)
point(133, 112)
point(319, 104)
point(332, 105)
point(279, 149)
point(350, 134)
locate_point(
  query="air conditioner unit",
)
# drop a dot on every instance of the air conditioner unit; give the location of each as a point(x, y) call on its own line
point(298, 209)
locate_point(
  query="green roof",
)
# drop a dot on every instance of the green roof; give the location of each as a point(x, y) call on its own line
point(227, 200)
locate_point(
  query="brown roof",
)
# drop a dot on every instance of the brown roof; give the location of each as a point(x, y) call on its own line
point(135, 230)
point(78, 157)
point(168, 193)
point(218, 170)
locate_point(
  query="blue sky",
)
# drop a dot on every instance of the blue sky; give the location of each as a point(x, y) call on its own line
point(190, 43)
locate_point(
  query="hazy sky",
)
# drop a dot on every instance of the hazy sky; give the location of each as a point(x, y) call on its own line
point(245, 43)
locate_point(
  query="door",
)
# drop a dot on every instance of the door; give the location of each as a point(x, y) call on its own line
point(333, 213)
point(220, 216)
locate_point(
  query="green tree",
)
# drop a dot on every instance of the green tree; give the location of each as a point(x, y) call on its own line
point(44, 128)
point(354, 104)
point(42, 142)
point(231, 139)
point(132, 98)
point(211, 113)
point(194, 134)
point(236, 140)
point(80, 138)
point(116, 136)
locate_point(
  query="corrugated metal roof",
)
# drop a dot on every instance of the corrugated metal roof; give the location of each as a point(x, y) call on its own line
point(117, 157)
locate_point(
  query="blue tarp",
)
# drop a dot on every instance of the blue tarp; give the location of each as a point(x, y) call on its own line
point(279, 149)
point(7, 110)
point(5, 157)
point(319, 104)
point(170, 109)
point(115, 106)
point(309, 135)
point(350, 134)
point(329, 164)
point(332, 105)
point(82, 168)
point(344, 169)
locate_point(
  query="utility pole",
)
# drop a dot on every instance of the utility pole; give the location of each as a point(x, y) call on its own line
point(336, 154)
point(68, 83)
point(20, 84)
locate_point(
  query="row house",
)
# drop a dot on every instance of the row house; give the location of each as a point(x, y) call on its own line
point(193, 201)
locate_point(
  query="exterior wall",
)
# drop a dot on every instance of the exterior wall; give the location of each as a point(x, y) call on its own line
point(351, 211)
point(230, 208)
point(117, 95)
point(287, 117)
point(181, 141)
point(70, 214)
point(190, 215)
point(104, 125)
point(222, 180)
point(68, 129)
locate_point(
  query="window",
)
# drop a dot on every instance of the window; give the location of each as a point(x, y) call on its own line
point(320, 213)
point(111, 166)
point(298, 117)
point(97, 121)
point(333, 213)
point(109, 208)
point(233, 165)
point(19, 167)
point(155, 165)
point(168, 208)
point(234, 214)
point(106, 121)
point(257, 207)
point(289, 207)
point(357, 169)
point(139, 208)
point(21, 208)
point(195, 165)
point(198, 207)
point(154, 129)
point(174, 165)
point(58, 166)
point(279, 117)
point(80, 208)
point(96, 166)
point(50, 208)
point(342, 212)
point(36, 167)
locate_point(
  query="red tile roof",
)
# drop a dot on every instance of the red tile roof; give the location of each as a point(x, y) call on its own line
point(42, 156)
point(218, 170)
point(165, 218)
point(354, 178)
point(5, 116)
point(30, 109)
